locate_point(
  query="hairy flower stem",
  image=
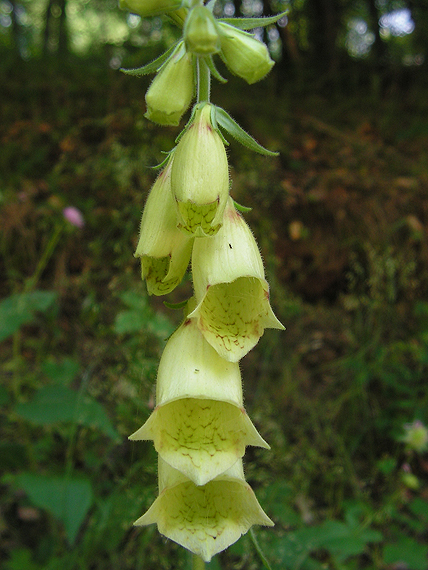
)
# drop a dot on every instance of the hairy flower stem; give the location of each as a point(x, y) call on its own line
point(204, 80)
point(197, 563)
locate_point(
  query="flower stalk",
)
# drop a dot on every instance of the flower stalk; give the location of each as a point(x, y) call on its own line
point(199, 426)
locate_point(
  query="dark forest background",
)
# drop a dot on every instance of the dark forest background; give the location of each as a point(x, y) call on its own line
point(341, 216)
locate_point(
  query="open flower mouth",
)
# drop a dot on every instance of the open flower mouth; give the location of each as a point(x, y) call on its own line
point(205, 519)
point(232, 316)
point(197, 219)
point(202, 438)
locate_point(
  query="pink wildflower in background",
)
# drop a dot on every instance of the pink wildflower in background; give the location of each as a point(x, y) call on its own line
point(74, 216)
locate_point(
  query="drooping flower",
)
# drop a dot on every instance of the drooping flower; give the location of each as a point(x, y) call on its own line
point(200, 176)
point(199, 425)
point(171, 91)
point(204, 519)
point(164, 250)
point(231, 291)
point(243, 54)
point(146, 8)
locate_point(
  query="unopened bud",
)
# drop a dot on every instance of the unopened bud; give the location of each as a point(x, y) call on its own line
point(171, 91)
point(164, 250)
point(201, 32)
point(243, 54)
point(200, 176)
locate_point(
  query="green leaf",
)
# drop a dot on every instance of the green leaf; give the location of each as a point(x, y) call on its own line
point(141, 318)
point(238, 133)
point(408, 551)
point(68, 500)
point(419, 508)
point(19, 309)
point(276, 499)
point(63, 372)
point(251, 23)
point(52, 404)
point(4, 396)
point(13, 456)
point(153, 66)
point(21, 558)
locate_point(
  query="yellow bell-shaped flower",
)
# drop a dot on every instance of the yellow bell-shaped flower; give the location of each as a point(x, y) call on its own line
point(231, 291)
point(204, 519)
point(199, 426)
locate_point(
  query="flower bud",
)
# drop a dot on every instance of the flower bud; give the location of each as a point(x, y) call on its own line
point(147, 8)
point(171, 91)
point(193, 383)
point(243, 54)
point(200, 32)
point(231, 292)
point(204, 519)
point(200, 176)
point(164, 250)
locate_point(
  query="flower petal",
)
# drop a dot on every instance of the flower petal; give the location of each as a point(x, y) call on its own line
point(200, 438)
point(204, 519)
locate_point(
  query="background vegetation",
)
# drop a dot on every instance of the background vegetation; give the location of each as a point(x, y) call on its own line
point(341, 217)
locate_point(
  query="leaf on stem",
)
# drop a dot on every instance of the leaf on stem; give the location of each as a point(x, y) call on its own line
point(251, 23)
point(231, 126)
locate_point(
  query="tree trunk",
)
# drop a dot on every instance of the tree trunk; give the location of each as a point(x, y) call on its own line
point(324, 22)
point(63, 32)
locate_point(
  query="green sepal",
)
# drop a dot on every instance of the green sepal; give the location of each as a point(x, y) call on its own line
point(251, 23)
point(153, 66)
point(214, 71)
point(210, 5)
point(215, 125)
point(176, 305)
point(231, 126)
point(164, 161)
point(241, 208)
point(189, 122)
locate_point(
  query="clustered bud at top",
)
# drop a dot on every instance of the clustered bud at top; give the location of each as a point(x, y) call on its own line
point(243, 54)
point(171, 91)
point(200, 32)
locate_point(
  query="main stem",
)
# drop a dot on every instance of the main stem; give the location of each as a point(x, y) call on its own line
point(204, 80)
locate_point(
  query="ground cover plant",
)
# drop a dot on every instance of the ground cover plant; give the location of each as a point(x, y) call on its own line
point(341, 396)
